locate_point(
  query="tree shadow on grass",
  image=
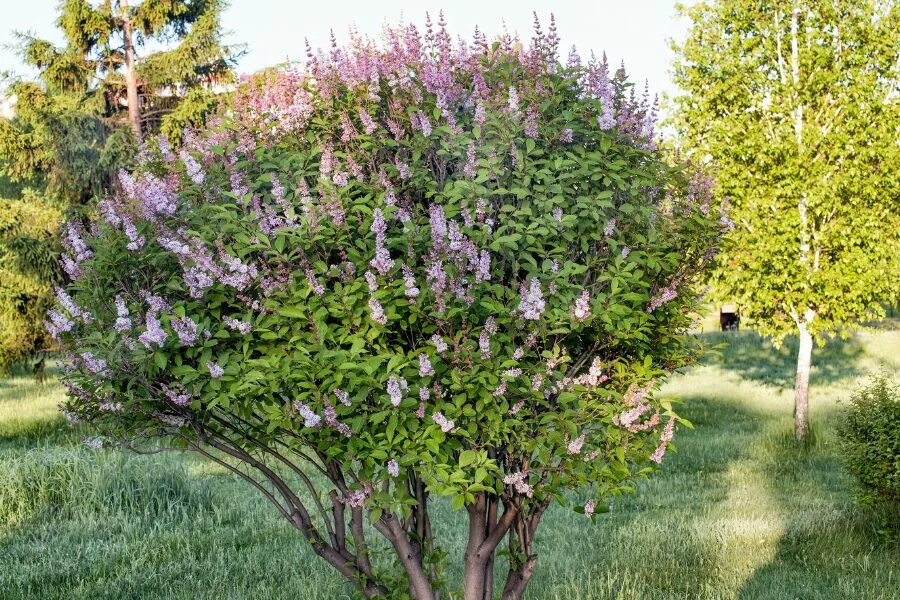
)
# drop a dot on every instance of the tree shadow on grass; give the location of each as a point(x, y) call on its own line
point(827, 549)
point(660, 542)
point(755, 358)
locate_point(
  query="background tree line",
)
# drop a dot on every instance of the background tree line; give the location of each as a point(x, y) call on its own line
point(123, 71)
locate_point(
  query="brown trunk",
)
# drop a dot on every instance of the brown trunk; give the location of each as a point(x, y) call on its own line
point(131, 91)
point(473, 575)
point(801, 385)
point(419, 587)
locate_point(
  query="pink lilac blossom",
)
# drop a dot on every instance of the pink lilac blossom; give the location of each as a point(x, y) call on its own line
point(516, 407)
point(443, 422)
point(658, 454)
point(501, 389)
point(382, 261)
point(537, 382)
point(575, 445)
point(215, 370)
point(582, 309)
point(518, 353)
point(589, 508)
point(513, 372)
point(663, 296)
point(520, 482)
point(625, 252)
point(111, 406)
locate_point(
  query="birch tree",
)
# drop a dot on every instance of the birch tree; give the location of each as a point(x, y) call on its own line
point(796, 105)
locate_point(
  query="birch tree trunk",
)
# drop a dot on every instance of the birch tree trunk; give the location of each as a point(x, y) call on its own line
point(801, 383)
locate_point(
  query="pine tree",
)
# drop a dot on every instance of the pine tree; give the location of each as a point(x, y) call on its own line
point(126, 70)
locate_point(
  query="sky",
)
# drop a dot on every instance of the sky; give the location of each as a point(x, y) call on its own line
point(274, 30)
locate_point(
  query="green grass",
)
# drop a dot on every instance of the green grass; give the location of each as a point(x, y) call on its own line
point(739, 511)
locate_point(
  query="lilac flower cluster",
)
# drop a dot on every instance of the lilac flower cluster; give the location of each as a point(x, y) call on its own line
point(425, 368)
point(582, 309)
point(215, 370)
point(310, 418)
point(443, 422)
point(185, 329)
point(395, 388)
point(242, 327)
point(531, 304)
point(177, 395)
point(520, 482)
point(382, 261)
point(393, 468)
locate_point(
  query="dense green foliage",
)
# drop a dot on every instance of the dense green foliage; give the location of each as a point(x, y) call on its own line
point(871, 437)
point(736, 514)
point(68, 136)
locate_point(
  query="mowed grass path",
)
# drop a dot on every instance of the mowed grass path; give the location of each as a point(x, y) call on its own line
point(738, 512)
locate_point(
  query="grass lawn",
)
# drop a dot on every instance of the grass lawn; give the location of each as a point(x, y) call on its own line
point(738, 512)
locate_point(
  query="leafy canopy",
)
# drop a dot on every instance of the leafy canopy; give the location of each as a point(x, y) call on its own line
point(420, 269)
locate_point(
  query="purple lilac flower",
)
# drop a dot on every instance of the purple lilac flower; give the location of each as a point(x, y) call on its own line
point(443, 422)
point(439, 344)
point(58, 324)
point(394, 389)
point(557, 214)
point(236, 325)
point(186, 330)
point(409, 281)
point(154, 334)
point(665, 295)
point(177, 395)
point(72, 268)
point(94, 365)
point(123, 323)
point(425, 368)
point(310, 419)
point(425, 124)
point(393, 468)
point(215, 371)
point(610, 227)
point(531, 305)
point(589, 508)
point(471, 167)
point(565, 136)
point(193, 168)
point(625, 252)
point(342, 396)
point(513, 100)
point(377, 312)
point(94, 443)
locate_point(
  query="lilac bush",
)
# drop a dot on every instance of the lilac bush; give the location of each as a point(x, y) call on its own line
point(416, 269)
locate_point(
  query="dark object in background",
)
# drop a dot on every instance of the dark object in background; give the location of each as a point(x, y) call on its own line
point(729, 318)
